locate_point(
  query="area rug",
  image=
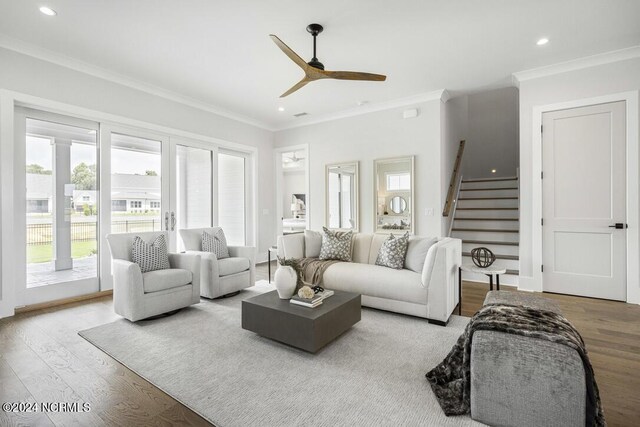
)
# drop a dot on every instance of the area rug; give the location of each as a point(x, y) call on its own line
point(371, 375)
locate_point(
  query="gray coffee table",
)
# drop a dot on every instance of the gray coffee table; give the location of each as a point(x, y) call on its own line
point(305, 328)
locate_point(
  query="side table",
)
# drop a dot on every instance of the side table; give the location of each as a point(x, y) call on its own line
point(490, 271)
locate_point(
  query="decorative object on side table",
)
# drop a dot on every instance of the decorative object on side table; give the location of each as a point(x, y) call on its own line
point(306, 292)
point(287, 277)
point(482, 257)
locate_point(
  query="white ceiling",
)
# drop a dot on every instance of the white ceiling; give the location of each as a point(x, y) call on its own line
point(219, 53)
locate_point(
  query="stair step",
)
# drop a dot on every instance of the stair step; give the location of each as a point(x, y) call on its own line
point(488, 189)
point(488, 242)
point(508, 178)
point(483, 236)
point(513, 272)
point(484, 202)
point(486, 219)
point(512, 257)
point(487, 198)
point(486, 230)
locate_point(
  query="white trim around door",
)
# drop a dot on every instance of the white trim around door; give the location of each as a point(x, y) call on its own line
point(631, 99)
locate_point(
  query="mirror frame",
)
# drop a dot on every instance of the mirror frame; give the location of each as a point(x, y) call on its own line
point(410, 204)
point(356, 196)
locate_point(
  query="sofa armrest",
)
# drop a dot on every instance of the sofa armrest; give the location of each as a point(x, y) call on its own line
point(128, 288)
point(440, 276)
point(248, 252)
point(191, 262)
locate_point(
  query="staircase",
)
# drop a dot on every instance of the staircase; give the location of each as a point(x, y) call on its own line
point(486, 214)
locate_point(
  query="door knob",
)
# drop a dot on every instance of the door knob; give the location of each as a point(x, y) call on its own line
point(619, 226)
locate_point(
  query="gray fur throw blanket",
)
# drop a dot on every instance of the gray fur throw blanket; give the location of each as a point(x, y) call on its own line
point(450, 380)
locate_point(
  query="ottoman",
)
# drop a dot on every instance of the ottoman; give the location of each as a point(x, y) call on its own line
point(522, 381)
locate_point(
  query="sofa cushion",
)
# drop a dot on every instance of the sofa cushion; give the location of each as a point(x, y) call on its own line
point(336, 245)
point(312, 243)
point(361, 248)
point(159, 280)
point(393, 251)
point(376, 281)
point(216, 243)
point(232, 265)
point(417, 253)
point(152, 256)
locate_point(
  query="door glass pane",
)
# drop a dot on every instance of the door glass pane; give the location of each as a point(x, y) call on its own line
point(231, 197)
point(62, 203)
point(194, 200)
point(135, 184)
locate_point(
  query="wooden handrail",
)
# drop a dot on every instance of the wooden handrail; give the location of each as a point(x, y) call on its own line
point(451, 193)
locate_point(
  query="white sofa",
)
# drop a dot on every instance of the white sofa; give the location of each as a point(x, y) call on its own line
point(431, 293)
point(221, 277)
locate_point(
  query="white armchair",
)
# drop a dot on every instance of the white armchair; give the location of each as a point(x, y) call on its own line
point(221, 277)
point(138, 295)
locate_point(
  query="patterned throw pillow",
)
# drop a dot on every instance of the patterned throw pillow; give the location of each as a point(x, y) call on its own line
point(150, 257)
point(393, 251)
point(215, 243)
point(336, 245)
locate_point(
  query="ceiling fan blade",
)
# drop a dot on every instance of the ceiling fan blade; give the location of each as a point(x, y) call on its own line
point(354, 75)
point(295, 87)
point(289, 52)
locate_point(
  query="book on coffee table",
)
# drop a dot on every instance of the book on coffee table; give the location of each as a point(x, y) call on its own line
point(325, 294)
point(306, 302)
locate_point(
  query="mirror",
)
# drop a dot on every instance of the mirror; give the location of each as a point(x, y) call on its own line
point(397, 205)
point(341, 199)
point(394, 191)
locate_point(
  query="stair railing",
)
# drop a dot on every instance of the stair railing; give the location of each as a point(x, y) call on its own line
point(454, 185)
point(455, 205)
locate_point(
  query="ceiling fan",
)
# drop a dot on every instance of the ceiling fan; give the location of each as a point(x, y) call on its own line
point(314, 69)
point(292, 159)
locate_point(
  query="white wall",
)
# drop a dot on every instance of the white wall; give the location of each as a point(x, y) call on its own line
point(492, 134)
point(371, 136)
point(25, 74)
point(292, 183)
point(455, 129)
point(568, 86)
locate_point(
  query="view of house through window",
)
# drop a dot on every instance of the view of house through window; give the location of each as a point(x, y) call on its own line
point(135, 184)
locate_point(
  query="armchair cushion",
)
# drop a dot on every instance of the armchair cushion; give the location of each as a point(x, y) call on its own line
point(417, 253)
point(233, 265)
point(159, 280)
point(152, 256)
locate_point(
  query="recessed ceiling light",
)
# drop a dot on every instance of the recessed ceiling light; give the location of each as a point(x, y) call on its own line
point(542, 41)
point(280, 108)
point(48, 11)
point(493, 171)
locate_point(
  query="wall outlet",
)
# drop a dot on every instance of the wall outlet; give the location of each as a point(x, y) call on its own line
point(428, 212)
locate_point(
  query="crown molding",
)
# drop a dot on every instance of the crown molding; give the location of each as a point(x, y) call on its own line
point(577, 64)
point(102, 73)
point(440, 94)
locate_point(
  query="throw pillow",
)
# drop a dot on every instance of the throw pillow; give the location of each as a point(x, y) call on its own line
point(150, 257)
point(336, 245)
point(215, 243)
point(393, 251)
point(417, 253)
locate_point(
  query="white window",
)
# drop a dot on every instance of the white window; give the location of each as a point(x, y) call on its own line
point(155, 205)
point(86, 198)
point(398, 181)
point(231, 197)
point(136, 204)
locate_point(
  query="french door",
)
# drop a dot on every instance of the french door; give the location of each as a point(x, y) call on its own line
point(57, 206)
point(81, 180)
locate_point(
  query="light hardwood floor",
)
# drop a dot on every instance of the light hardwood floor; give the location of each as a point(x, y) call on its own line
point(42, 359)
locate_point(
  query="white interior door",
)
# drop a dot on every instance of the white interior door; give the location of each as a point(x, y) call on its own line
point(584, 196)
